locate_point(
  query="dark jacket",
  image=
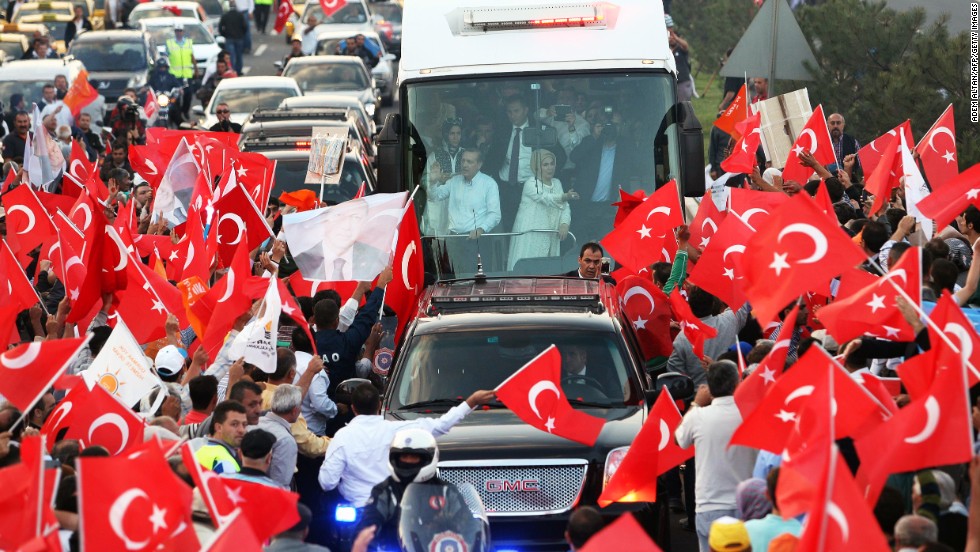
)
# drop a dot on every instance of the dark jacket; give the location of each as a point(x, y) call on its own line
point(70, 30)
point(383, 510)
point(339, 350)
point(233, 25)
point(226, 126)
point(587, 158)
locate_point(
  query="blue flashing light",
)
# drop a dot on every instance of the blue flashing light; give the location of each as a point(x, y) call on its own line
point(345, 513)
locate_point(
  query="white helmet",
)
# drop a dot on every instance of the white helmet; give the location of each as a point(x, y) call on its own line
point(418, 442)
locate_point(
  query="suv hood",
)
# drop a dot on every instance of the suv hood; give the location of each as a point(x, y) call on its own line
point(479, 436)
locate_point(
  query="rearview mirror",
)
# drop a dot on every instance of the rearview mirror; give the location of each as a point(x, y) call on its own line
point(220, 40)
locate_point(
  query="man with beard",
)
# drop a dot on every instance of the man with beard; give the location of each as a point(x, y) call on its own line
point(844, 144)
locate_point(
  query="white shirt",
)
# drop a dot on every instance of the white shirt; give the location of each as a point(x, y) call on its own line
point(357, 457)
point(570, 139)
point(718, 469)
point(472, 204)
point(245, 6)
point(524, 161)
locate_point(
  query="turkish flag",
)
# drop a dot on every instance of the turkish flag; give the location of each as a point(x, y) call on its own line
point(105, 266)
point(788, 256)
point(60, 418)
point(125, 509)
point(823, 201)
point(522, 393)
point(239, 221)
point(638, 241)
point(80, 169)
point(769, 426)
point(211, 486)
point(887, 174)
point(291, 309)
point(28, 370)
point(254, 172)
point(735, 113)
point(20, 292)
point(147, 244)
point(28, 222)
point(149, 162)
point(68, 263)
point(815, 138)
point(224, 302)
point(147, 303)
point(706, 221)
point(742, 158)
point(752, 206)
point(694, 329)
point(872, 310)
point(626, 204)
point(941, 205)
point(331, 7)
point(937, 150)
point(648, 310)
point(653, 452)
point(870, 155)
point(26, 518)
point(307, 288)
point(189, 257)
point(750, 392)
point(408, 276)
point(718, 270)
point(282, 15)
point(932, 430)
point(236, 535)
point(949, 318)
point(82, 211)
point(97, 418)
point(879, 388)
point(150, 107)
point(269, 510)
point(624, 530)
point(80, 94)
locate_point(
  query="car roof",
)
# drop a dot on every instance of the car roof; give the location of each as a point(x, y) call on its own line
point(14, 37)
point(21, 28)
point(309, 60)
point(40, 18)
point(328, 34)
point(259, 82)
point(170, 21)
point(54, 5)
point(34, 69)
point(111, 34)
point(183, 4)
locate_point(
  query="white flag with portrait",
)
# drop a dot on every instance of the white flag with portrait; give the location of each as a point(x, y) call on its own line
point(350, 241)
point(257, 340)
point(173, 197)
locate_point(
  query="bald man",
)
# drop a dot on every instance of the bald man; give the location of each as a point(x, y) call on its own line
point(844, 144)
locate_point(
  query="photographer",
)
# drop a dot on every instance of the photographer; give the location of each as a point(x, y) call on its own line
point(224, 123)
point(126, 123)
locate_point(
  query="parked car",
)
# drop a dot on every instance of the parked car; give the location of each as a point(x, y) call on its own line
point(115, 60)
point(354, 17)
point(246, 94)
point(333, 43)
point(319, 100)
point(55, 23)
point(341, 75)
point(150, 10)
point(29, 76)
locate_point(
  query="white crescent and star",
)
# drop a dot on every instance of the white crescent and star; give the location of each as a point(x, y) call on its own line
point(664, 435)
point(152, 169)
point(962, 335)
point(229, 285)
point(639, 290)
point(87, 211)
point(836, 514)
point(118, 511)
point(123, 256)
point(234, 217)
point(819, 240)
point(116, 421)
point(940, 130)
point(22, 360)
point(932, 422)
point(748, 215)
point(30, 217)
point(406, 257)
point(537, 389)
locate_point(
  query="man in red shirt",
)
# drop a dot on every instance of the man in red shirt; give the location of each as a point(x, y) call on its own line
point(204, 397)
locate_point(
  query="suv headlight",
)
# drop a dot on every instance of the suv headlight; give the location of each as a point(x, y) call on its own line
point(613, 460)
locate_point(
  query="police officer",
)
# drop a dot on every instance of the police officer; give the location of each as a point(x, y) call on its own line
point(180, 52)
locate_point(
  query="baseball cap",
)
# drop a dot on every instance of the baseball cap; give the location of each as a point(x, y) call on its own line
point(178, 26)
point(728, 534)
point(169, 360)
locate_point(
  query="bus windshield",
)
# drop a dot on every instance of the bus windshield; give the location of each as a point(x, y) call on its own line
point(578, 140)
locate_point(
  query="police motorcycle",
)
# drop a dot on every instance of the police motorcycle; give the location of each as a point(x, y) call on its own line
point(443, 517)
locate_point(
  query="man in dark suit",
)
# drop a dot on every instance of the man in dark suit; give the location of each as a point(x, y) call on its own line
point(603, 165)
point(844, 144)
point(77, 26)
point(590, 264)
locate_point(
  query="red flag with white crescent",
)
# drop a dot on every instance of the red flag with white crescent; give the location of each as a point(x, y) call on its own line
point(330, 7)
point(937, 150)
point(535, 395)
point(285, 10)
point(408, 272)
point(815, 138)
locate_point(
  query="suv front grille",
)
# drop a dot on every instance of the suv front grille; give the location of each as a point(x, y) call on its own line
point(521, 487)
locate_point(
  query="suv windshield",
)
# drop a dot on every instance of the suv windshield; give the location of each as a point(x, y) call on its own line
point(390, 12)
point(110, 56)
point(353, 12)
point(591, 133)
point(197, 33)
point(246, 100)
point(450, 366)
point(322, 77)
point(291, 176)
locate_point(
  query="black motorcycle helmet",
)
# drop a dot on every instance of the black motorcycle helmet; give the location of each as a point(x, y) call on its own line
point(163, 63)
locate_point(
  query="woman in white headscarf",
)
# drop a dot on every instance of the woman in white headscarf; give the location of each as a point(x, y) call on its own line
point(544, 206)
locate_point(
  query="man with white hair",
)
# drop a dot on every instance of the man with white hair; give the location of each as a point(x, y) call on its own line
point(286, 402)
point(913, 531)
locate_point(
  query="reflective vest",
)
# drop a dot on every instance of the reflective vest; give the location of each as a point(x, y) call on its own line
point(263, 2)
point(216, 457)
point(181, 58)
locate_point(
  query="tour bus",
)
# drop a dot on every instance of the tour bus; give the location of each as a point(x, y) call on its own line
point(604, 67)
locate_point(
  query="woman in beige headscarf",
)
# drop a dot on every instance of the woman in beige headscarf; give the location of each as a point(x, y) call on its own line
point(544, 206)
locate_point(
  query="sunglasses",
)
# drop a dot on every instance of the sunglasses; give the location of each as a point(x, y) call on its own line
point(222, 111)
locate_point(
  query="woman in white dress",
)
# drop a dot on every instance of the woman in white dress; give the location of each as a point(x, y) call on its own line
point(544, 206)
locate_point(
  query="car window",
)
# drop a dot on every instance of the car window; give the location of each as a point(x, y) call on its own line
point(291, 176)
point(197, 33)
point(30, 89)
point(55, 28)
point(110, 56)
point(245, 100)
point(452, 365)
point(390, 12)
point(212, 7)
point(149, 13)
point(14, 50)
point(317, 77)
point(353, 12)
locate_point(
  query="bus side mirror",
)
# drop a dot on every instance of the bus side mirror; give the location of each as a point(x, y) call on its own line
point(691, 141)
point(389, 155)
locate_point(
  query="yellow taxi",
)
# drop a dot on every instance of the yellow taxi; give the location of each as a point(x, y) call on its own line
point(37, 8)
point(55, 23)
point(26, 30)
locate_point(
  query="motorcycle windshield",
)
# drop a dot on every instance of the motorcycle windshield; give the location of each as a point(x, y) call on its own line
point(436, 517)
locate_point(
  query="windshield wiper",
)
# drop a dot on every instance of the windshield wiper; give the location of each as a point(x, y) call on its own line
point(580, 402)
point(431, 403)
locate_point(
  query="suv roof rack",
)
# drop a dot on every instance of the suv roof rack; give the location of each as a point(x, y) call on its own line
point(549, 292)
point(272, 114)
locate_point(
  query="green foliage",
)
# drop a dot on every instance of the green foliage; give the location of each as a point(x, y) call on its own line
point(711, 27)
point(879, 67)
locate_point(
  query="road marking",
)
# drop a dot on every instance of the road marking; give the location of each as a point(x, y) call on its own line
point(259, 51)
point(246, 69)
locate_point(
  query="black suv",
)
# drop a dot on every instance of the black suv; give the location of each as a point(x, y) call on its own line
point(473, 334)
point(115, 60)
